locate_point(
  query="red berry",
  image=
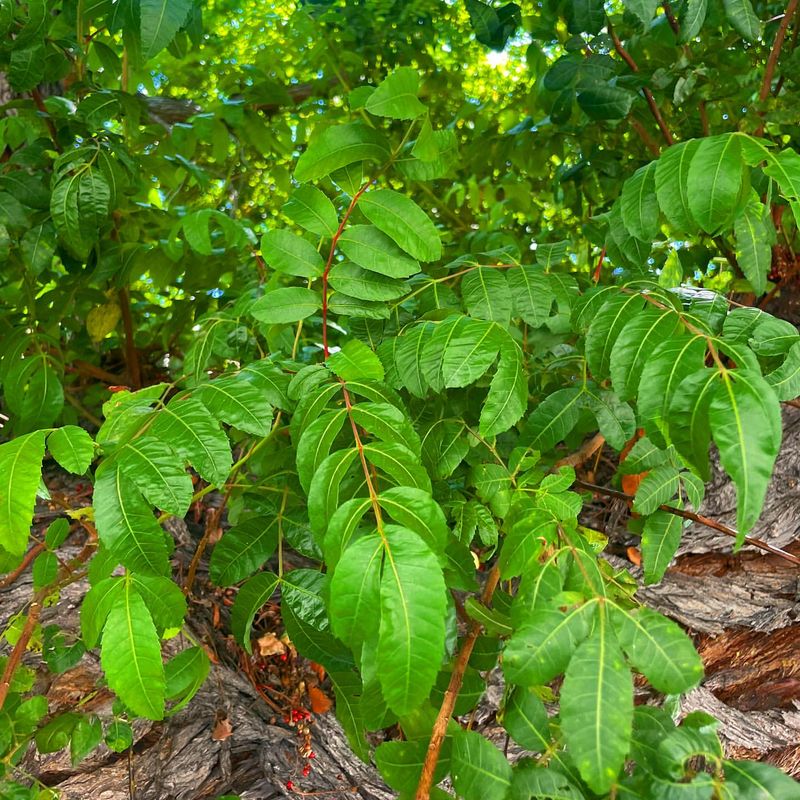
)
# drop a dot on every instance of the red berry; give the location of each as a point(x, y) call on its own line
point(290, 785)
point(312, 754)
point(306, 770)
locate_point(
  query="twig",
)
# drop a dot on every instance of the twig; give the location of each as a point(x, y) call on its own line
point(22, 643)
point(451, 695)
point(587, 450)
point(651, 101)
point(648, 140)
point(48, 120)
point(23, 565)
point(670, 15)
point(772, 60)
point(699, 518)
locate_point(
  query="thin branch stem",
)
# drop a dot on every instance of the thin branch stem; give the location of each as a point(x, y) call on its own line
point(648, 95)
point(699, 518)
point(774, 53)
point(451, 695)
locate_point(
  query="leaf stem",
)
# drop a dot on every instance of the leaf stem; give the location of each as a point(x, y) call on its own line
point(699, 518)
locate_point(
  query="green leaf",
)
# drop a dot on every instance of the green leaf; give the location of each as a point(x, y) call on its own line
point(315, 444)
point(72, 447)
point(543, 646)
point(508, 393)
point(604, 101)
point(660, 539)
point(119, 736)
point(185, 424)
point(743, 19)
point(371, 249)
point(403, 221)
point(339, 146)
point(470, 348)
point(243, 549)
point(745, 421)
point(364, 284)
point(27, 68)
point(524, 542)
point(672, 175)
point(291, 254)
point(126, 525)
point(416, 510)
point(160, 21)
point(692, 19)
point(349, 692)
point(311, 209)
point(158, 472)
point(553, 419)
point(597, 708)
point(131, 655)
point(667, 366)
point(251, 597)
point(615, 418)
point(760, 781)
point(290, 304)
point(86, 735)
point(21, 470)
point(398, 463)
point(396, 96)
point(658, 487)
point(486, 295)
point(658, 648)
point(606, 326)
point(480, 771)
point(237, 402)
point(689, 429)
point(355, 592)
point(387, 423)
point(164, 600)
point(785, 380)
point(97, 604)
point(714, 181)
point(532, 782)
point(525, 719)
point(412, 627)
point(323, 493)
point(355, 361)
point(785, 169)
point(639, 205)
point(754, 233)
point(635, 347)
point(532, 295)
point(185, 673)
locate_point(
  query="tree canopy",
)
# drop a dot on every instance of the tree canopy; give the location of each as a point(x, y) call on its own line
point(385, 275)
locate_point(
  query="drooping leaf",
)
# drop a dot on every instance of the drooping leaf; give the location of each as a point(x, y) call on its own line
point(639, 205)
point(761, 781)
point(237, 402)
point(714, 181)
point(692, 19)
point(486, 295)
point(742, 18)
point(658, 487)
point(291, 254)
point(371, 249)
point(21, 470)
point(126, 525)
point(597, 708)
point(660, 539)
point(525, 719)
point(131, 655)
point(508, 394)
point(745, 422)
point(251, 597)
point(531, 293)
point(753, 251)
point(553, 419)
point(412, 630)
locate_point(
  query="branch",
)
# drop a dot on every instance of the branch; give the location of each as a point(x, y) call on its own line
point(23, 565)
point(772, 60)
point(131, 356)
point(651, 101)
point(699, 518)
point(454, 687)
point(670, 15)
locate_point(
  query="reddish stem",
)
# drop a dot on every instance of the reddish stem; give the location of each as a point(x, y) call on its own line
point(329, 262)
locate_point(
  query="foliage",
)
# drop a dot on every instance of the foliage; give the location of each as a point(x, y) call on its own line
point(399, 307)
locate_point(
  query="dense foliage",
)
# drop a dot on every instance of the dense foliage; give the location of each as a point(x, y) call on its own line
point(377, 272)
